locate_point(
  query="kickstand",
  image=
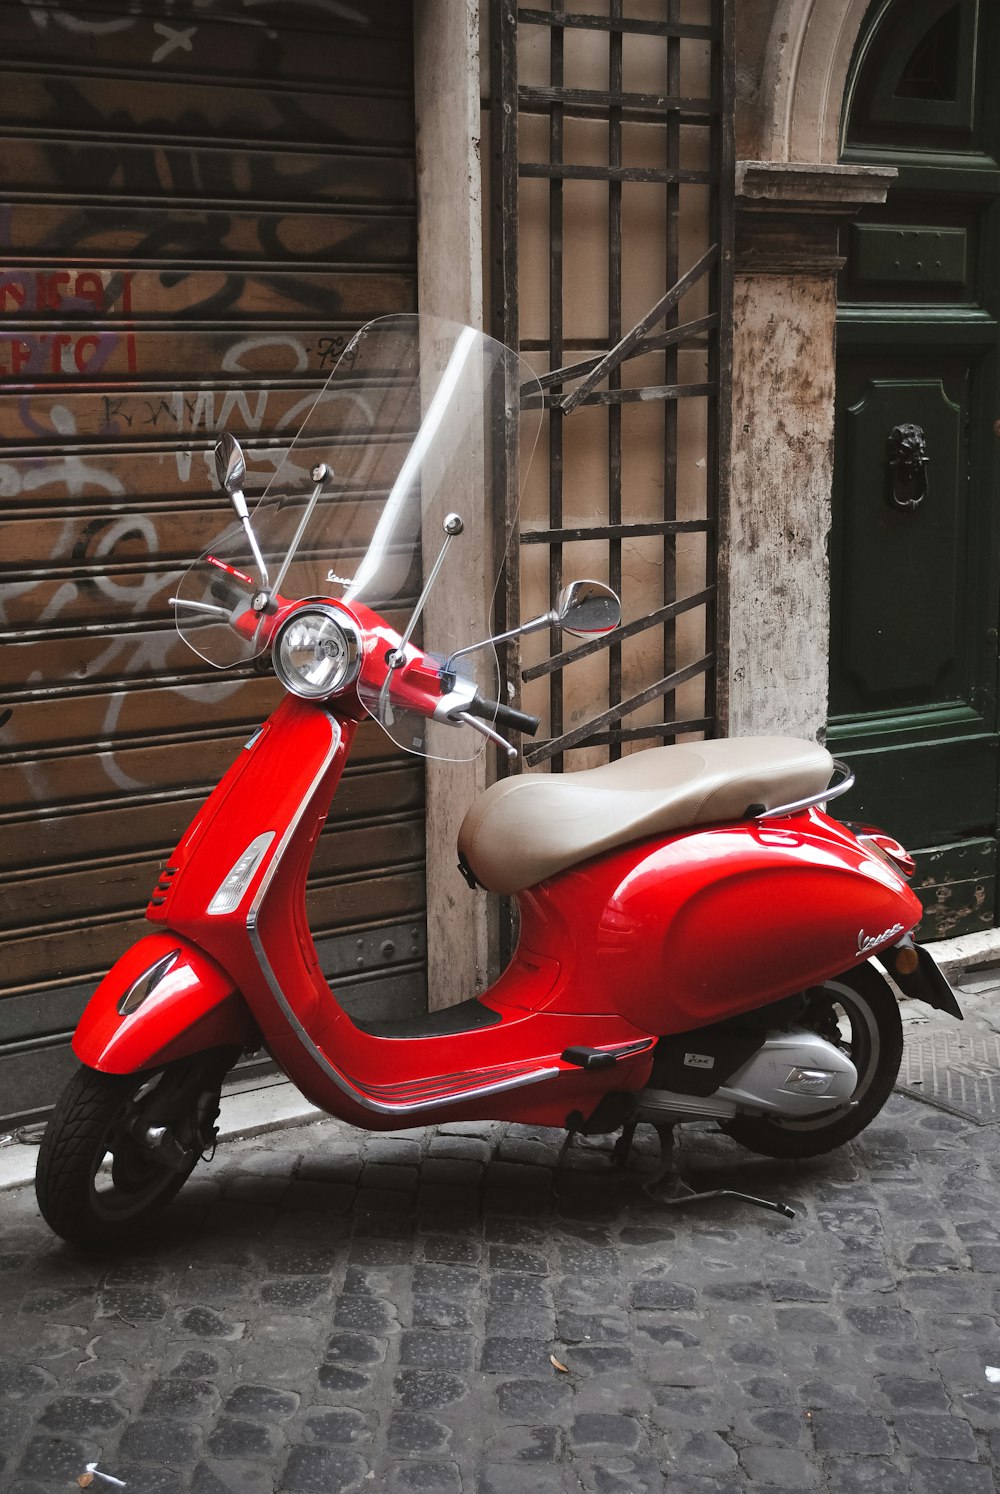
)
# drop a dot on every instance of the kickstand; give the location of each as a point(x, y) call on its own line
point(668, 1188)
point(623, 1146)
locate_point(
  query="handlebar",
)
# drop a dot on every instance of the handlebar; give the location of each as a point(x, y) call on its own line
point(498, 714)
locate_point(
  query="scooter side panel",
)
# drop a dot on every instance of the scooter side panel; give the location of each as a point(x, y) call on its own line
point(704, 926)
point(757, 913)
point(193, 1007)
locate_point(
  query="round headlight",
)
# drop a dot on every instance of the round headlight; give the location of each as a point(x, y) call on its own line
point(316, 652)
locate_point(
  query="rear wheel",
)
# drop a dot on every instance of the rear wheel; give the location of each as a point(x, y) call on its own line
point(857, 1012)
point(120, 1146)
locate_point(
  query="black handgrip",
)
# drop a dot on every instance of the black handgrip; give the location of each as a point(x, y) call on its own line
point(502, 715)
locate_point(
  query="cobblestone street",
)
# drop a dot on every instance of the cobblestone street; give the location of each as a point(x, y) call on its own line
point(324, 1310)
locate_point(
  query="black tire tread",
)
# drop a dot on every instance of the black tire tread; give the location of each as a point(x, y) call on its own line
point(62, 1175)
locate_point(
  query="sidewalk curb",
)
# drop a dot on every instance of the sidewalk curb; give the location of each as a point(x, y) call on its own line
point(244, 1114)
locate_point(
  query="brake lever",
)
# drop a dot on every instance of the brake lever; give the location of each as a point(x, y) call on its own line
point(487, 731)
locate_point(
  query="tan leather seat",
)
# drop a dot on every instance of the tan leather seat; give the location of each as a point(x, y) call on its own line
point(525, 829)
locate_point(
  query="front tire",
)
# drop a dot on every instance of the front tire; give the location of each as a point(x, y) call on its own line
point(95, 1181)
point(857, 1011)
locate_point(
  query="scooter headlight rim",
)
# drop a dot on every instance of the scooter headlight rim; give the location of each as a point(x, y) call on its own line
point(317, 652)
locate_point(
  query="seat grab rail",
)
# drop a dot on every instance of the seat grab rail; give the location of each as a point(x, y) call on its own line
point(832, 792)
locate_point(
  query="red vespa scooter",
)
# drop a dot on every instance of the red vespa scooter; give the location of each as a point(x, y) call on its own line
point(696, 933)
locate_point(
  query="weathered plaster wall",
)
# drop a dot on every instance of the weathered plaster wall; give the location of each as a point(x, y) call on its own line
point(783, 386)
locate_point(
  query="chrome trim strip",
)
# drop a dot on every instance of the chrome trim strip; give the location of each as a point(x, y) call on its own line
point(847, 782)
point(319, 1058)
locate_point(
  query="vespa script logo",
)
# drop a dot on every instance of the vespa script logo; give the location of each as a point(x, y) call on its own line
point(867, 942)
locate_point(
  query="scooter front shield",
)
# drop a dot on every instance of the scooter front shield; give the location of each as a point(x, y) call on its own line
point(163, 1000)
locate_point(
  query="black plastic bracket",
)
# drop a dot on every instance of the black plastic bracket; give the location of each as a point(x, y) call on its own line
point(588, 1058)
point(926, 983)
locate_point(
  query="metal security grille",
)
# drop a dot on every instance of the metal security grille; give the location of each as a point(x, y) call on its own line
point(199, 204)
point(612, 224)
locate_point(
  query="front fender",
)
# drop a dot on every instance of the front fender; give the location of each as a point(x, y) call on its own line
point(177, 1001)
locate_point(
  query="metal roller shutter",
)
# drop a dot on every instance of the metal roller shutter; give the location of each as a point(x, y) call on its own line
point(197, 209)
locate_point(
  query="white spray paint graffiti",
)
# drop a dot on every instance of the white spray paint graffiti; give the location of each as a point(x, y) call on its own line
point(145, 657)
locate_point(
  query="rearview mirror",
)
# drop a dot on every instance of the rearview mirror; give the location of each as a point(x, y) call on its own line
point(230, 465)
point(587, 609)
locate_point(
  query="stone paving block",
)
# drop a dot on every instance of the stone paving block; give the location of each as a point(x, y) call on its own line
point(463, 1147)
point(533, 1400)
point(235, 1438)
point(936, 1437)
point(702, 1453)
point(261, 1403)
point(160, 1440)
point(440, 1312)
point(855, 1433)
point(778, 1426)
point(323, 1470)
point(502, 1355)
point(355, 1349)
point(930, 1476)
point(338, 1381)
point(425, 1476)
point(913, 1393)
point(425, 1349)
point(294, 1293)
point(629, 1473)
point(231, 1477)
point(345, 1425)
point(151, 1479)
point(81, 1413)
point(452, 1250)
point(869, 1476)
point(205, 1322)
point(56, 1459)
point(596, 1327)
point(417, 1432)
point(428, 1390)
point(780, 1467)
point(520, 1322)
point(367, 1314)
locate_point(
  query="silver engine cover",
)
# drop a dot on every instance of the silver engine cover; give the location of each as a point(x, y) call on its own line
point(794, 1075)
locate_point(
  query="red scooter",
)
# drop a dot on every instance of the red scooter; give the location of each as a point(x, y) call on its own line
point(696, 934)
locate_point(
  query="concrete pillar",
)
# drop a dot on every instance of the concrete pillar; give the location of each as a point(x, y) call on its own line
point(450, 285)
point(776, 587)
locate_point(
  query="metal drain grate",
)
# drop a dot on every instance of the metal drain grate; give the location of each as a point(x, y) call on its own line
point(957, 1071)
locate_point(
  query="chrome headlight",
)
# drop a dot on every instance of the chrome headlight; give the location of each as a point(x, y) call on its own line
point(317, 652)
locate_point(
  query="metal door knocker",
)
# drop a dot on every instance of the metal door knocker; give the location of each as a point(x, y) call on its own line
point(908, 461)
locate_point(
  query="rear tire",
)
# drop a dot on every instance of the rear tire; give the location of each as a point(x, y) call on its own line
point(857, 1011)
point(94, 1124)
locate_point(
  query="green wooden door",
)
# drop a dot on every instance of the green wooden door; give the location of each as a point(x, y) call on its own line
point(913, 550)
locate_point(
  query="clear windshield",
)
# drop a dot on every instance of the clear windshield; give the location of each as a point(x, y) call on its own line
point(416, 423)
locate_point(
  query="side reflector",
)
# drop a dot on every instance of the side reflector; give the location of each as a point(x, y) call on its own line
point(906, 960)
point(230, 892)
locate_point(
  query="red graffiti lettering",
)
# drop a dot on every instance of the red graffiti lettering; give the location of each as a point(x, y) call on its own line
point(133, 362)
point(127, 293)
point(90, 287)
point(11, 290)
point(20, 355)
point(88, 346)
point(44, 299)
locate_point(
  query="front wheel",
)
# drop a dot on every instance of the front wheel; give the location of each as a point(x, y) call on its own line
point(120, 1146)
point(858, 1013)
